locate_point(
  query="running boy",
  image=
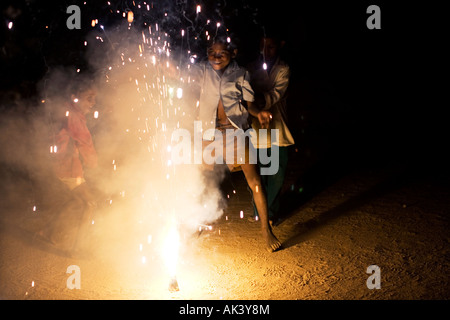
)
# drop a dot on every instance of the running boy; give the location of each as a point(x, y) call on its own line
point(224, 89)
point(74, 153)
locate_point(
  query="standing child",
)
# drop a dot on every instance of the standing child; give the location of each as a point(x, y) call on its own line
point(270, 80)
point(225, 88)
point(72, 153)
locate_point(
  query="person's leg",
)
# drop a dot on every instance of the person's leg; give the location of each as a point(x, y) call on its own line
point(259, 198)
point(274, 183)
point(242, 151)
point(69, 218)
point(264, 186)
point(64, 227)
point(87, 203)
point(58, 201)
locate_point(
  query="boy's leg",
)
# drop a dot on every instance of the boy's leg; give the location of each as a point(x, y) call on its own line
point(274, 183)
point(254, 182)
point(259, 198)
point(205, 144)
point(63, 229)
point(69, 218)
point(85, 196)
point(265, 188)
point(59, 200)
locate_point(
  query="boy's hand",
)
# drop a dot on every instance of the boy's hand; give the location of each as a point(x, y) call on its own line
point(264, 118)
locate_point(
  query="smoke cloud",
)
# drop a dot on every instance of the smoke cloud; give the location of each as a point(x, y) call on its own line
point(142, 96)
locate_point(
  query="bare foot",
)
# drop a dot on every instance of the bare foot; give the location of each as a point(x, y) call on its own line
point(272, 243)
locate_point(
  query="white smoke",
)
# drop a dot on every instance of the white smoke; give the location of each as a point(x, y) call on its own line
point(142, 98)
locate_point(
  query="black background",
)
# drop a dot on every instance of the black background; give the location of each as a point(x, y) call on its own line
point(363, 92)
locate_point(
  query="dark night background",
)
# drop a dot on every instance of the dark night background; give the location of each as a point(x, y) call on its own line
point(356, 95)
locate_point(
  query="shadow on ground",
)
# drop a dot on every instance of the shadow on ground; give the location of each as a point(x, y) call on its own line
point(309, 229)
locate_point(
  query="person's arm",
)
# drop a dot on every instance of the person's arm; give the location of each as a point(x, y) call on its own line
point(83, 141)
point(264, 117)
point(279, 89)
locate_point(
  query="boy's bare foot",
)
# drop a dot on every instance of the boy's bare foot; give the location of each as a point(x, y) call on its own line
point(272, 243)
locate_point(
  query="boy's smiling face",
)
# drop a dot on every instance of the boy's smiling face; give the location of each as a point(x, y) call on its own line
point(219, 57)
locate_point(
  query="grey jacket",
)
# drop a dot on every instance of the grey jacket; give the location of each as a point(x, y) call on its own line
point(233, 87)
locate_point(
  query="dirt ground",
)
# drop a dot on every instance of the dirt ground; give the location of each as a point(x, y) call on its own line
point(389, 215)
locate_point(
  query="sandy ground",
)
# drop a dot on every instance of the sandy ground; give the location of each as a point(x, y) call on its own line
point(389, 216)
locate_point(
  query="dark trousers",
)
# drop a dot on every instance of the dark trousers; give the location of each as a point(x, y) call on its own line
point(272, 184)
point(69, 216)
